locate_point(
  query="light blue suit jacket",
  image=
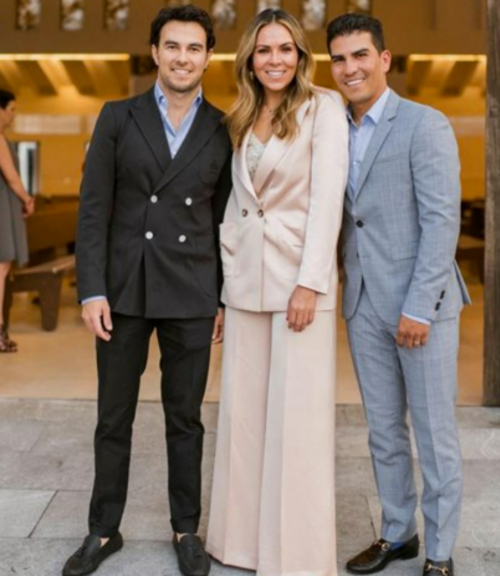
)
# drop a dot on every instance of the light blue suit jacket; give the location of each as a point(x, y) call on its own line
point(400, 230)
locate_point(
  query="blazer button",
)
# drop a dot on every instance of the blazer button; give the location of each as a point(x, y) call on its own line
point(359, 224)
point(149, 235)
point(154, 199)
point(260, 213)
point(244, 212)
point(182, 239)
point(442, 294)
point(438, 306)
point(188, 201)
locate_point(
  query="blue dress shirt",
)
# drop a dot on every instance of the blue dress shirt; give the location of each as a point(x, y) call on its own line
point(176, 137)
point(360, 136)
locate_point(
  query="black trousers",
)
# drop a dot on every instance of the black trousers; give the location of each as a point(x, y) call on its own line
point(185, 355)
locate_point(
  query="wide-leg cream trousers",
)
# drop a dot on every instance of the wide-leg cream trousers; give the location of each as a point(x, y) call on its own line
point(273, 497)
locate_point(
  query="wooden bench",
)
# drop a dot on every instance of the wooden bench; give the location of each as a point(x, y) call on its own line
point(46, 280)
point(51, 231)
point(471, 248)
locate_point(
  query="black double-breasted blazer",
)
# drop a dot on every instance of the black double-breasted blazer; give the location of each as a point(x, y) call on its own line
point(148, 224)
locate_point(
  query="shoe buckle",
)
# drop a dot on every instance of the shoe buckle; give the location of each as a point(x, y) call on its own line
point(444, 571)
point(386, 546)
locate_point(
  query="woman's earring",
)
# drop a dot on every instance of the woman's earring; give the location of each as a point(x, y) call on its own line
point(252, 75)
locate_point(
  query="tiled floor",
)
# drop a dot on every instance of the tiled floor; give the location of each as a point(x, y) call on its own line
point(46, 469)
point(47, 415)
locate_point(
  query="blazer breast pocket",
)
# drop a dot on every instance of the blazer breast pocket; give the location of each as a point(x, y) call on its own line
point(391, 157)
point(209, 171)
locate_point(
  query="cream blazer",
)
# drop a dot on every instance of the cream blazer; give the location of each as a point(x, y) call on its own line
point(281, 230)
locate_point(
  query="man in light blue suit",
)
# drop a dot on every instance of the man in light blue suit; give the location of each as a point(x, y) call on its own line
point(403, 293)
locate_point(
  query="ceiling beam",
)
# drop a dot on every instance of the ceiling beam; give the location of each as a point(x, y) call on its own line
point(418, 74)
point(37, 78)
point(80, 77)
point(459, 78)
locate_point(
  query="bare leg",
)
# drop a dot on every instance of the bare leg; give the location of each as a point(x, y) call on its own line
point(6, 345)
point(4, 271)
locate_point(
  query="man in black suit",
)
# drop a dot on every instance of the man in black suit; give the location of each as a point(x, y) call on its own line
point(155, 186)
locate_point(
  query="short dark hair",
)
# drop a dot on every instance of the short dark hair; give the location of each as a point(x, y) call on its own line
point(354, 22)
point(189, 13)
point(5, 98)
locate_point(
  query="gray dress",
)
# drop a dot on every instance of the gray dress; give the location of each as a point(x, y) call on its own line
point(13, 239)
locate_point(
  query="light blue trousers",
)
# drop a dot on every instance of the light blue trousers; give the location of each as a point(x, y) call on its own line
point(422, 381)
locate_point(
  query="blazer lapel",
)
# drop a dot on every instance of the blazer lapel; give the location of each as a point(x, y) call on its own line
point(148, 118)
point(275, 150)
point(204, 125)
point(241, 167)
point(380, 134)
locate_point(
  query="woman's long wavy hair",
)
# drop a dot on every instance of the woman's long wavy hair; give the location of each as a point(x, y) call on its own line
point(244, 111)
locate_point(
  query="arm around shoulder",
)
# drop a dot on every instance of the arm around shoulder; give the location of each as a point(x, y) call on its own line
point(328, 183)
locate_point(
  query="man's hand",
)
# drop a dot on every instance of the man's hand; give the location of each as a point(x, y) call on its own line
point(301, 308)
point(218, 333)
point(97, 318)
point(412, 334)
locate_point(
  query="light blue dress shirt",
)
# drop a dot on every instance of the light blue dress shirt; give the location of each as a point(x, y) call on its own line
point(359, 139)
point(175, 137)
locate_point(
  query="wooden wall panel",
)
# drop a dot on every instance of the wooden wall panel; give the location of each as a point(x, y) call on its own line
point(429, 26)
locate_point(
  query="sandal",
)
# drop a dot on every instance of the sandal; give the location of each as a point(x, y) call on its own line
point(6, 344)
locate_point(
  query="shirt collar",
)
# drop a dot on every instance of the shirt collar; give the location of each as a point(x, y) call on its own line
point(162, 100)
point(376, 111)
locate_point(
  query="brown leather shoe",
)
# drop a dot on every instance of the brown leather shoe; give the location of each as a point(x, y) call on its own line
point(380, 554)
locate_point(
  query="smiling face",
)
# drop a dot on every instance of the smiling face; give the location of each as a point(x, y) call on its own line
point(7, 114)
point(275, 58)
point(359, 70)
point(181, 56)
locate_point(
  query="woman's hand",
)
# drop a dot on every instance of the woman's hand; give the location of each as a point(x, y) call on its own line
point(301, 308)
point(28, 206)
point(218, 333)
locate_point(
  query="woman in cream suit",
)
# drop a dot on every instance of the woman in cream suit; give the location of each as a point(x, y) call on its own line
point(273, 507)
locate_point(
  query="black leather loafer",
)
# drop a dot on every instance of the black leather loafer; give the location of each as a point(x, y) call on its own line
point(192, 558)
point(376, 558)
point(434, 568)
point(88, 557)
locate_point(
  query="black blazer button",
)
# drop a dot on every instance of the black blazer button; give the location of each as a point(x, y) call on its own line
point(244, 212)
point(438, 306)
point(359, 224)
point(442, 294)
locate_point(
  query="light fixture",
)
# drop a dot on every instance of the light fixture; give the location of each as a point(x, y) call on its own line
point(447, 58)
point(62, 57)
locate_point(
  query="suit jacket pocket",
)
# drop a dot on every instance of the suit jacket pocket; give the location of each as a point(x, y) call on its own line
point(392, 157)
point(291, 247)
point(228, 246)
point(403, 251)
point(118, 258)
point(209, 171)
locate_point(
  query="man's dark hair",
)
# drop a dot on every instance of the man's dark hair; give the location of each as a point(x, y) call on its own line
point(352, 23)
point(189, 13)
point(5, 98)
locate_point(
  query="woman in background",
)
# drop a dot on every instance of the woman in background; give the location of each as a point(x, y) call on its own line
point(273, 499)
point(15, 205)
